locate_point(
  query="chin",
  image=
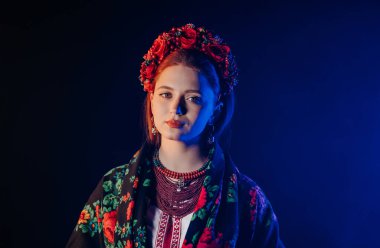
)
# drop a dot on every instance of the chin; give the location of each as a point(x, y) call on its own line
point(184, 138)
point(177, 137)
point(171, 136)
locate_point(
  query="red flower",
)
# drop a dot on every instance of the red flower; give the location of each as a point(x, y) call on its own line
point(149, 56)
point(201, 200)
point(206, 239)
point(253, 194)
point(148, 86)
point(131, 205)
point(206, 236)
point(188, 38)
point(109, 222)
point(135, 182)
point(128, 244)
point(186, 245)
point(217, 52)
point(97, 209)
point(126, 197)
point(159, 47)
point(83, 217)
point(148, 70)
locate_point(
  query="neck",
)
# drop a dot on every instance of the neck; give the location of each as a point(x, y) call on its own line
point(180, 156)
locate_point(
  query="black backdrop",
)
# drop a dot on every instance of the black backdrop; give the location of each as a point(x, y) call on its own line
point(306, 126)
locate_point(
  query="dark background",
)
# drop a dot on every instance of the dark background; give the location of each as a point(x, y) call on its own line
point(306, 126)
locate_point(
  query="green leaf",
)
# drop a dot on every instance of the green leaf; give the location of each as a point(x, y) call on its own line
point(231, 195)
point(118, 184)
point(132, 179)
point(195, 237)
point(146, 182)
point(129, 229)
point(107, 185)
point(84, 229)
point(193, 217)
point(115, 204)
point(202, 213)
point(207, 181)
point(213, 188)
point(107, 199)
point(120, 244)
point(96, 203)
point(209, 222)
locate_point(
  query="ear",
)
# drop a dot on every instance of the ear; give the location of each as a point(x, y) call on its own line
point(151, 95)
point(218, 107)
point(217, 111)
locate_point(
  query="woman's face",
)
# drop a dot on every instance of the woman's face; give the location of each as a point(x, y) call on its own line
point(182, 103)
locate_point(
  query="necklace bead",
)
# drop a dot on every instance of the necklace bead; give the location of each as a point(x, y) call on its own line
point(176, 175)
point(177, 193)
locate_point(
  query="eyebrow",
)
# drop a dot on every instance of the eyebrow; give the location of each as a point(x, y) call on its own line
point(187, 91)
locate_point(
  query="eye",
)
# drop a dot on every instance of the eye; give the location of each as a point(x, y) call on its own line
point(165, 95)
point(195, 99)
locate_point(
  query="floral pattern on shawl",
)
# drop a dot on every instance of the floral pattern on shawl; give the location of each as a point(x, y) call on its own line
point(232, 211)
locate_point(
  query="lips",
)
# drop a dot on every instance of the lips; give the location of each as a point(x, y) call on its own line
point(174, 123)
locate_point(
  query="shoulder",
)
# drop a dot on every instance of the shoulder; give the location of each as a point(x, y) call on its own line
point(116, 172)
point(120, 170)
point(249, 193)
point(258, 210)
point(245, 181)
point(112, 180)
point(252, 194)
point(102, 203)
point(248, 186)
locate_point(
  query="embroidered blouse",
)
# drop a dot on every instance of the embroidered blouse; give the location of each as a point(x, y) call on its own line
point(157, 225)
point(232, 210)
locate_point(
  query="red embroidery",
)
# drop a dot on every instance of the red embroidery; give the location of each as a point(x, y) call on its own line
point(176, 238)
point(174, 235)
point(164, 218)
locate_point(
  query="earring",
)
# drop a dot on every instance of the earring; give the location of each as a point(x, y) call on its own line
point(154, 130)
point(219, 106)
point(211, 138)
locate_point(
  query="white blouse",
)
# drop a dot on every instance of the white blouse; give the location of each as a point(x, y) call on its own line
point(157, 223)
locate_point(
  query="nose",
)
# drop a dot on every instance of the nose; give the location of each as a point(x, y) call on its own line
point(180, 110)
point(178, 107)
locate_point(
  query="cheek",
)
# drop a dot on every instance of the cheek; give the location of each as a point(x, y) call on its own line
point(201, 116)
point(158, 110)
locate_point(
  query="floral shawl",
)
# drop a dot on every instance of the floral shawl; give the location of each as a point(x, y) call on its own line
point(232, 211)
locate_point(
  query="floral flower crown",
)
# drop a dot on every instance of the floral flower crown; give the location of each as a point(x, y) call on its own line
point(190, 37)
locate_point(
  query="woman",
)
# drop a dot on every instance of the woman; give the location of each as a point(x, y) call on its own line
point(181, 189)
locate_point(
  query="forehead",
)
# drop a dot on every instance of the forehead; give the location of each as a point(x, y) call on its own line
point(181, 77)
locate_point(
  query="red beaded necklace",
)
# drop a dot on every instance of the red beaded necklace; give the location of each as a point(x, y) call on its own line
point(174, 200)
point(177, 193)
point(180, 175)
